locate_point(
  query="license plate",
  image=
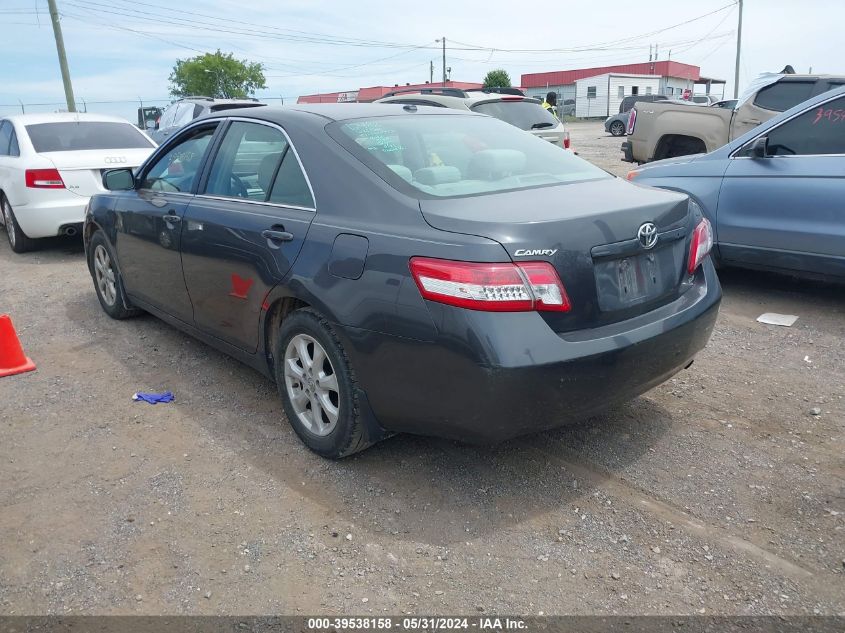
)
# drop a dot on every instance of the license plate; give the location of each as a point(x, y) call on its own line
point(630, 280)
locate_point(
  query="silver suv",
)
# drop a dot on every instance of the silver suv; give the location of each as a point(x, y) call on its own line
point(185, 110)
point(507, 104)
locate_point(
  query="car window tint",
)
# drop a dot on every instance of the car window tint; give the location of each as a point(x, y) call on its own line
point(177, 169)
point(71, 136)
point(247, 161)
point(5, 137)
point(184, 114)
point(168, 116)
point(783, 95)
point(290, 186)
point(455, 155)
point(14, 148)
point(820, 130)
point(522, 114)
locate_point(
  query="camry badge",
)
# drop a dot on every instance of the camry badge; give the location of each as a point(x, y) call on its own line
point(525, 252)
point(647, 235)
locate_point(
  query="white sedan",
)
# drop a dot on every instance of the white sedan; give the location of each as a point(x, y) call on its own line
point(51, 164)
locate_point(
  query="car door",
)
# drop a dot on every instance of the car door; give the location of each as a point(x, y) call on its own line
point(244, 229)
point(6, 162)
point(149, 222)
point(787, 210)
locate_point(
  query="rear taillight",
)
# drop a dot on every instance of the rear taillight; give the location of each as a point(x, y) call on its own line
point(566, 141)
point(44, 179)
point(702, 242)
point(632, 121)
point(495, 287)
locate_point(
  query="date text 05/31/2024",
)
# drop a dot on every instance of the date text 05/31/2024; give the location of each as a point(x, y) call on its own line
point(415, 623)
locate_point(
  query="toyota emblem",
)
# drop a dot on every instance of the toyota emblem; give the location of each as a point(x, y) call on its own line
point(647, 235)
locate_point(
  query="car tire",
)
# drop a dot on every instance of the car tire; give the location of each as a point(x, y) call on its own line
point(313, 372)
point(18, 240)
point(617, 128)
point(108, 283)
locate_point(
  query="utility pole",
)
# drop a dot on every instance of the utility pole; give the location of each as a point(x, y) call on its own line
point(431, 72)
point(60, 48)
point(738, 47)
point(649, 52)
point(655, 52)
point(444, 61)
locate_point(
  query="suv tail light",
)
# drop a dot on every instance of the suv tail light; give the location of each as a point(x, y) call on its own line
point(632, 121)
point(44, 179)
point(566, 141)
point(702, 242)
point(496, 287)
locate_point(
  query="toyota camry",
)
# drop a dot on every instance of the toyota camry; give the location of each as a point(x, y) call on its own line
point(407, 269)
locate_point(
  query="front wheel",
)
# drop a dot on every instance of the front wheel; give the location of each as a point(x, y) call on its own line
point(18, 240)
point(107, 280)
point(617, 128)
point(317, 386)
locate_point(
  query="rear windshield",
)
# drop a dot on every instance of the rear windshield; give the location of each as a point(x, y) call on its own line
point(457, 155)
point(72, 135)
point(525, 115)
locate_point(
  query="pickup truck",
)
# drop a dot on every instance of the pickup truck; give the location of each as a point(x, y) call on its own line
point(665, 130)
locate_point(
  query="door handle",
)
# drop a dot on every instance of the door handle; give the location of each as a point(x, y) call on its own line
point(172, 219)
point(277, 236)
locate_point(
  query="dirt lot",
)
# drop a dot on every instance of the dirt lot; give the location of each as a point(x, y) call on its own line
point(719, 492)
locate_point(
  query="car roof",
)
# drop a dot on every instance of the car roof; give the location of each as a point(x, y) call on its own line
point(63, 117)
point(215, 100)
point(473, 97)
point(333, 111)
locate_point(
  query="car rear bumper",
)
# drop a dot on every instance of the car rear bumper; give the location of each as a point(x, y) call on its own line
point(491, 376)
point(45, 218)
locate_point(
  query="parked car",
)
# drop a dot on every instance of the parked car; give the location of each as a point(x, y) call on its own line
point(181, 112)
point(525, 113)
point(774, 195)
point(413, 269)
point(666, 130)
point(567, 108)
point(617, 124)
point(50, 164)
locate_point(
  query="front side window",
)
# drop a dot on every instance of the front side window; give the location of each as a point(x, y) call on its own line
point(820, 130)
point(454, 155)
point(71, 136)
point(177, 169)
point(247, 161)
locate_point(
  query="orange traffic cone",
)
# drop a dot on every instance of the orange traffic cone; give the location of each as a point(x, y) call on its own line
point(12, 359)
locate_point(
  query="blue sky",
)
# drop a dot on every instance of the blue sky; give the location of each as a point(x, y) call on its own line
point(120, 50)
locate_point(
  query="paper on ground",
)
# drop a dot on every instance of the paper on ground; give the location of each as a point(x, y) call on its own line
point(773, 318)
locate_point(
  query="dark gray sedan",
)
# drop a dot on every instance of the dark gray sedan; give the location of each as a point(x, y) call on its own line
point(776, 195)
point(401, 268)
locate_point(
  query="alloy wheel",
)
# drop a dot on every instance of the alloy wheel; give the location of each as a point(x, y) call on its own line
point(10, 225)
point(104, 275)
point(616, 128)
point(311, 384)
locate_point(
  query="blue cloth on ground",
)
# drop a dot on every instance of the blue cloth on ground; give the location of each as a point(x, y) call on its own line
point(153, 398)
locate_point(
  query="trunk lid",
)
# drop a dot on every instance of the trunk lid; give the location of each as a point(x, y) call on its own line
point(82, 170)
point(589, 232)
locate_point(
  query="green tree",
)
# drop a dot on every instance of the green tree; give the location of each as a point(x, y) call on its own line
point(498, 78)
point(216, 75)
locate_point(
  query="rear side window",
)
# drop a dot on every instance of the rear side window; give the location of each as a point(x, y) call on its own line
point(783, 95)
point(290, 186)
point(247, 161)
point(526, 115)
point(820, 130)
point(5, 137)
point(72, 136)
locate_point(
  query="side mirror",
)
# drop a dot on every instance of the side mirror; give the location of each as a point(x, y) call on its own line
point(759, 148)
point(119, 180)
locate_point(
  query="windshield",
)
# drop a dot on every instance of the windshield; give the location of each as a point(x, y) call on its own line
point(80, 135)
point(525, 115)
point(458, 155)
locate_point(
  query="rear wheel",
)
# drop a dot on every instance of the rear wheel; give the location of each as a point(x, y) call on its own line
point(317, 386)
point(18, 240)
point(617, 128)
point(107, 280)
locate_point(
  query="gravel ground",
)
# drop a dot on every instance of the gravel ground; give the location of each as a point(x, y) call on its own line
point(719, 492)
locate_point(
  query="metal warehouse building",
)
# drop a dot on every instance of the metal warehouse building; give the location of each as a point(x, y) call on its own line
point(598, 95)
